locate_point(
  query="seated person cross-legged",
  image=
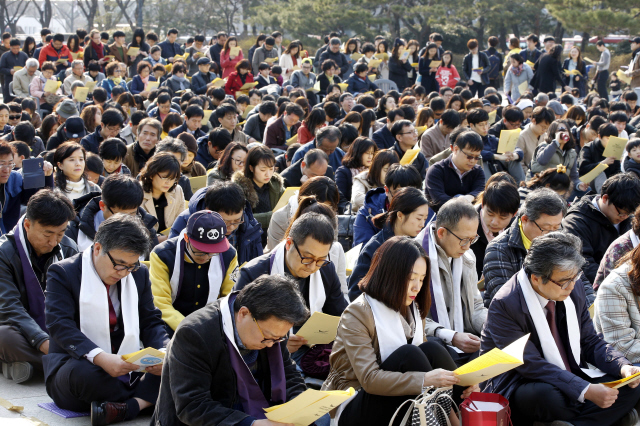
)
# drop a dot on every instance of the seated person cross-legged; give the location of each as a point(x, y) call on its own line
point(193, 269)
point(99, 306)
point(544, 300)
point(228, 361)
point(381, 350)
point(457, 314)
point(26, 253)
point(304, 257)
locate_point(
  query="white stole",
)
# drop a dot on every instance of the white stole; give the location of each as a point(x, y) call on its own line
point(632, 235)
point(215, 274)
point(549, 347)
point(436, 284)
point(83, 241)
point(94, 309)
point(317, 296)
point(389, 327)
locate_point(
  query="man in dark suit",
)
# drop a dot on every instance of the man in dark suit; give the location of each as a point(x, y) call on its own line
point(229, 360)
point(99, 307)
point(315, 163)
point(544, 301)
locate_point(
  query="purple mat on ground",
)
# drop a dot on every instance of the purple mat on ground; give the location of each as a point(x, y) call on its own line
point(67, 414)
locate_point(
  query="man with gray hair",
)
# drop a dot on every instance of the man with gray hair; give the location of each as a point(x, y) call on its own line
point(77, 74)
point(546, 302)
point(327, 139)
point(541, 213)
point(22, 78)
point(99, 307)
point(457, 314)
point(315, 163)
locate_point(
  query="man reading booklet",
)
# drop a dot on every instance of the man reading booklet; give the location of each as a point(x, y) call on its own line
point(228, 361)
point(554, 383)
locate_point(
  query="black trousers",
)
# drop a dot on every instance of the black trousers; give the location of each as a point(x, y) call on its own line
point(477, 89)
point(538, 401)
point(78, 383)
point(601, 83)
point(15, 348)
point(369, 409)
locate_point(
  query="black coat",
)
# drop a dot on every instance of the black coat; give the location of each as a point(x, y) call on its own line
point(363, 264)
point(293, 174)
point(591, 156)
point(594, 230)
point(63, 315)
point(13, 293)
point(335, 302)
point(398, 73)
point(200, 385)
point(547, 74)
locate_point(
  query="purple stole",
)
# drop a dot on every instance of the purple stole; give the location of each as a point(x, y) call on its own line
point(425, 246)
point(35, 295)
point(251, 396)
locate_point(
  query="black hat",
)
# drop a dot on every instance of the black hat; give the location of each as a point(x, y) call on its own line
point(74, 128)
point(635, 40)
point(204, 61)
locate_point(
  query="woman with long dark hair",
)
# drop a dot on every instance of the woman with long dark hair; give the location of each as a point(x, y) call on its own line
point(259, 42)
point(231, 161)
point(547, 72)
point(358, 159)
point(427, 72)
point(316, 120)
point(372, 178)
point(228, 58)
point(368, 123)
point(238, 78)
point(383, 329)
point(447, 74)
point(29, 46)
point(73, 44)
point(290, 59)
point(70, 177)
point(399, 66)
point(143, 53)
point(575, 71)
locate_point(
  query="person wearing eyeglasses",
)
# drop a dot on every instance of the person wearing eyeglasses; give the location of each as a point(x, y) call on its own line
point(194, 269)
point(304, 257)
point(163, 197)
point(114, 78)
point(545, 301)
point(228, 361)
point(406, 137)
point(120, 194)
point(458, 315)
point(598, 220)
point(541, 213)
point(231, 161)
point(459, 175)
point(99, 307)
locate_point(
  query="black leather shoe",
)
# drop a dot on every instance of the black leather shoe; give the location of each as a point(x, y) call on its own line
point(19, 372)
point(106, 413)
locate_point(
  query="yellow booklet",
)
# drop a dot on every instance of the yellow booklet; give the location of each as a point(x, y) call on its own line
point(508, 140)
point(435, 64)
point(531, 64)
point(166, 232)
point(372, 77)
point(51, 86)
point(109, 58)
point(415, 64)
point(421, 130)
point(147, 357)
point(78, 55)
point(168, 67)
point(355, 56)
point(234, 51)
point(249, 86)
point(592, 310)
point(218, 82)
point(492, 363)
point(270, 60)
point(522, 88)
point(573, 72)
point(320, 329)
point(343, 86)
point(351, 257)
point(308, 407)
point(198, 182)
point(152, 85)
point(315, 88)
point(382, 56)
point(591, 61)
point(207, 116)
point(615, 147)
point(623, 77)
point(593, 173)
point(409, 156)
point(288, 193)
point(17, 68)
point(405, 55)
point(622, 382)
point(293, 139)
point(247, 110)
point(241, 92)
point(133, 51)
point(61, 61)
point(492, 117)
point(374, 63)
point(90, 85)
point(81, 94)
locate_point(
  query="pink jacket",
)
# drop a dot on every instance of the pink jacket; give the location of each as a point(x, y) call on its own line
point(229, 65)
point(36, 87)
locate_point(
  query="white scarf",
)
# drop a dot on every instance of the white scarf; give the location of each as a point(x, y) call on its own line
point(83, 241)
point(436, 284)
point(23, 239)
point(75, 189)
point(389, 327)
point(215, 274)
point(632, 235)
point(94, 309)
point(549, 347)
point(317, 296)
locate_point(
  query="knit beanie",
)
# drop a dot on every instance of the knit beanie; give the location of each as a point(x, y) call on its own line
point(189, 141)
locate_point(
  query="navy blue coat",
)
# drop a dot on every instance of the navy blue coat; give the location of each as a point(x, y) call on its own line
point(63, 315)
point(248, 235)
point(357, 85)
point(383, 138)
point(14, 196)
point(184, 129)
point(363, 264)
point(198, 83)
point(344, 180)
point(375, 202)
point(91, 142)
point(137, 85)
point(169, 50)
point(509, 319)
point(203, 156)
